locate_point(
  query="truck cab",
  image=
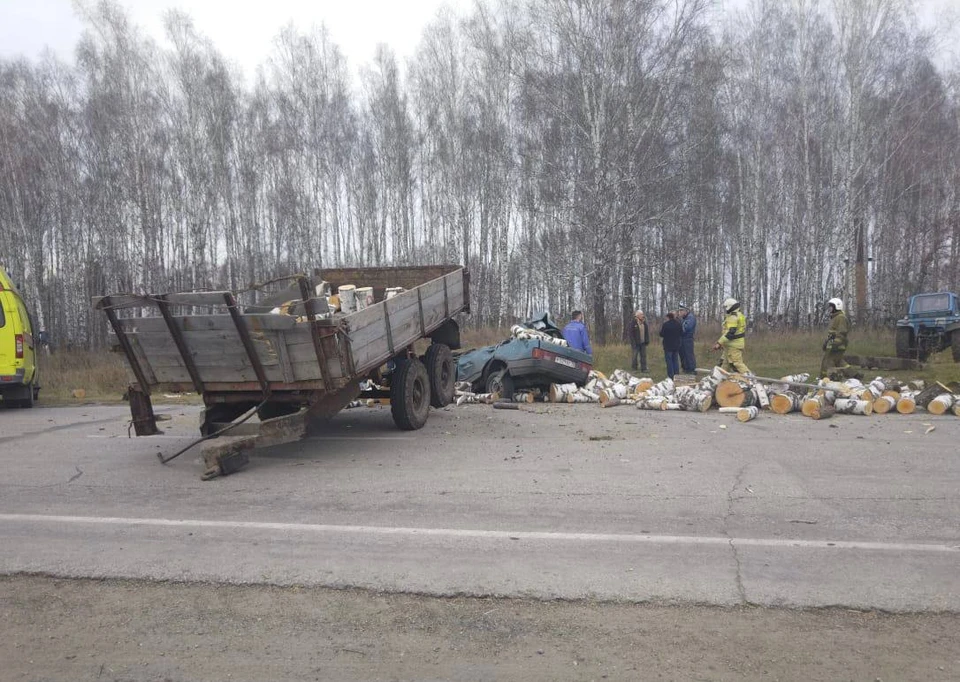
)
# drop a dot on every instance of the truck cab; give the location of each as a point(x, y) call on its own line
point(19, 376)
point(932, 324)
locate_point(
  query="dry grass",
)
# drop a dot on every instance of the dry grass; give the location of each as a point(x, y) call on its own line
point(102, 376)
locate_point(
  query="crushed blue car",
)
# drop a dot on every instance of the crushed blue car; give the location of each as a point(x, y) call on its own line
point(516, 364)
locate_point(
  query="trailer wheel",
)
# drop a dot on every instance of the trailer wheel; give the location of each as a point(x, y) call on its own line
point(442, 373)
point(410, 394)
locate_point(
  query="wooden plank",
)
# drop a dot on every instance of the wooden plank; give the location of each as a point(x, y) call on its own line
point(118, 301)
point(209, 323)
point(198, 298)
point(206, 342)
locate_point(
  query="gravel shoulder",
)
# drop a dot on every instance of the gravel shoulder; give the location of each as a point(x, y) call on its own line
point(54, 629)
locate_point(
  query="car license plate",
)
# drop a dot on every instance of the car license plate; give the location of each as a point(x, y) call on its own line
point(565, 362)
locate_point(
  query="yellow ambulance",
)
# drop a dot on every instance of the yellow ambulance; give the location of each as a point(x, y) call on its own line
point(19, 378)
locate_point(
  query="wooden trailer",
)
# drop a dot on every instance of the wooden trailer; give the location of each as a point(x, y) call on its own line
point(290, 358)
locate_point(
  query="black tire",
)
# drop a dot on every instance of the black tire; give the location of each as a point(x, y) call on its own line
point(904, 342)
point(442, 372)
point(501, 382)
point(410, 394)
point(955, 344)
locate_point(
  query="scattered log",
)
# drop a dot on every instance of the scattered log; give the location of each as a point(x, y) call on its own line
point(524, 397)
point(654, 402)
point(693, 399)
point(785, 403)
point(643, 386)
point(519, 332)
point(853, 406)
point(956, 407)
point(924, 397)
point(729, 410)
point(614, 402)
point(907, 404)
point(390, 292)
point(560, 392)
point(501, 405)
point(823, 412)
point(664, 388)
point(734, 392)
point(884, 404)
point(745, 414)
point(940, 404)
point(364, 297)
point(812, 405)
point(760, 393)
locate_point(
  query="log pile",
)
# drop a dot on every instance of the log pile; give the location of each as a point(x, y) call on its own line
point(519, 332)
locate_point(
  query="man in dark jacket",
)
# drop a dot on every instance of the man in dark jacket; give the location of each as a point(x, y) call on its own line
point(639, 335)
point(688, 359)
point(576, 333)
point(672, 334)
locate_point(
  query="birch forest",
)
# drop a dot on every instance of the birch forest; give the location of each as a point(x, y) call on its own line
point(602, 155)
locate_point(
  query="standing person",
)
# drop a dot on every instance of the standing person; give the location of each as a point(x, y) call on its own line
point(576, 333)
point(732, 338)
point(836, 343)
point(672, 334)
point(639, 334)
point(688, 359)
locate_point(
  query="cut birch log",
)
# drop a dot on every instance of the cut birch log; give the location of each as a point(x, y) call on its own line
point(583, 395)
point(654, 402)
point(924, 397)
point(347, 293)
point(734, 392)
point(559, 392)
point(891, 394)
point(822, 412)
point(614, 402)
point(853, 406)
point(812, 404)
point(364, 297)
point(524, 397)
point(500, 405)
point(760, 393)
point(940, 404)
point(729, 410)
point(785, 403)
point(884, 404)
point(693, 399)
point(615, 392)
point(475, 398)
point(906, 404)
point(519, 332)
point(745, 414)
point(390, 292)
point(644, 385)
point(956, 407)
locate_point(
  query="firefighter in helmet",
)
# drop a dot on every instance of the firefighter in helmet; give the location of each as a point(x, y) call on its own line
point(732, 338)
point(835, 346)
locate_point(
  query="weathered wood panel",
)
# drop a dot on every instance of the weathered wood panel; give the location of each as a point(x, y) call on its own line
point(209, 323)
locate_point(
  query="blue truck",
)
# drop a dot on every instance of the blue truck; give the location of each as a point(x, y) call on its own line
point(515, 364)
point(932, 324)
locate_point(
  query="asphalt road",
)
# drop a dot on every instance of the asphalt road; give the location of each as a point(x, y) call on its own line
point(571, 502)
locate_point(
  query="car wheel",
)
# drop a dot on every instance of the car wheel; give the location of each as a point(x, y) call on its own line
point(501, 382)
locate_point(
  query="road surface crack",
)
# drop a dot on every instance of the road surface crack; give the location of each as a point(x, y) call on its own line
point(76, 475)
point(738, 481)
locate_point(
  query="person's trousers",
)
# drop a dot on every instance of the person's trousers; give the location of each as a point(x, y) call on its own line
point(673, 362)
point(688, 360)
point(732, 361)
point(832, 359)
point(639, 356)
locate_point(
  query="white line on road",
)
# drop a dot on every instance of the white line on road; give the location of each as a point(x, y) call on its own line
point(488, 534)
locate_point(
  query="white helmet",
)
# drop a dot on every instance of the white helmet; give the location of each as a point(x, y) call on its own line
point(836, 303)
point(730, 304)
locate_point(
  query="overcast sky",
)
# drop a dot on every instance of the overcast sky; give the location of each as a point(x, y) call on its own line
point(244, 31)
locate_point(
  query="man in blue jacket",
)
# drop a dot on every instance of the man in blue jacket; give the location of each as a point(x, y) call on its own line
point(688, 359)
point(576, 333)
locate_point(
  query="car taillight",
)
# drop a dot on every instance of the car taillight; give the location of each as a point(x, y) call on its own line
point(19, 338)
point(586, 367)
point(537, 353)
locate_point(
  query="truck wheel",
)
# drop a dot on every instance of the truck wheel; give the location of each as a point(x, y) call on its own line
point(501, 382)
point(442, 373)
point(410, 394)
point(955, 344)
point(448, 334)
point(904, 342)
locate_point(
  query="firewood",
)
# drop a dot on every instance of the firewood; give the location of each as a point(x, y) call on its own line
point(812, 404)
point(822, 412)
point(505, 406)
point(940, 404)
point(693, 399)
point(785, 402)
point(853, 406)
point(559, 392)
point(734, 392)
point(760, 393)
point(907, 404)
point(745, 414)
point(884, 404)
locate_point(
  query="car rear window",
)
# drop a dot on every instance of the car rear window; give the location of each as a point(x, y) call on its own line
point(931, 304)
point(3, 320)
